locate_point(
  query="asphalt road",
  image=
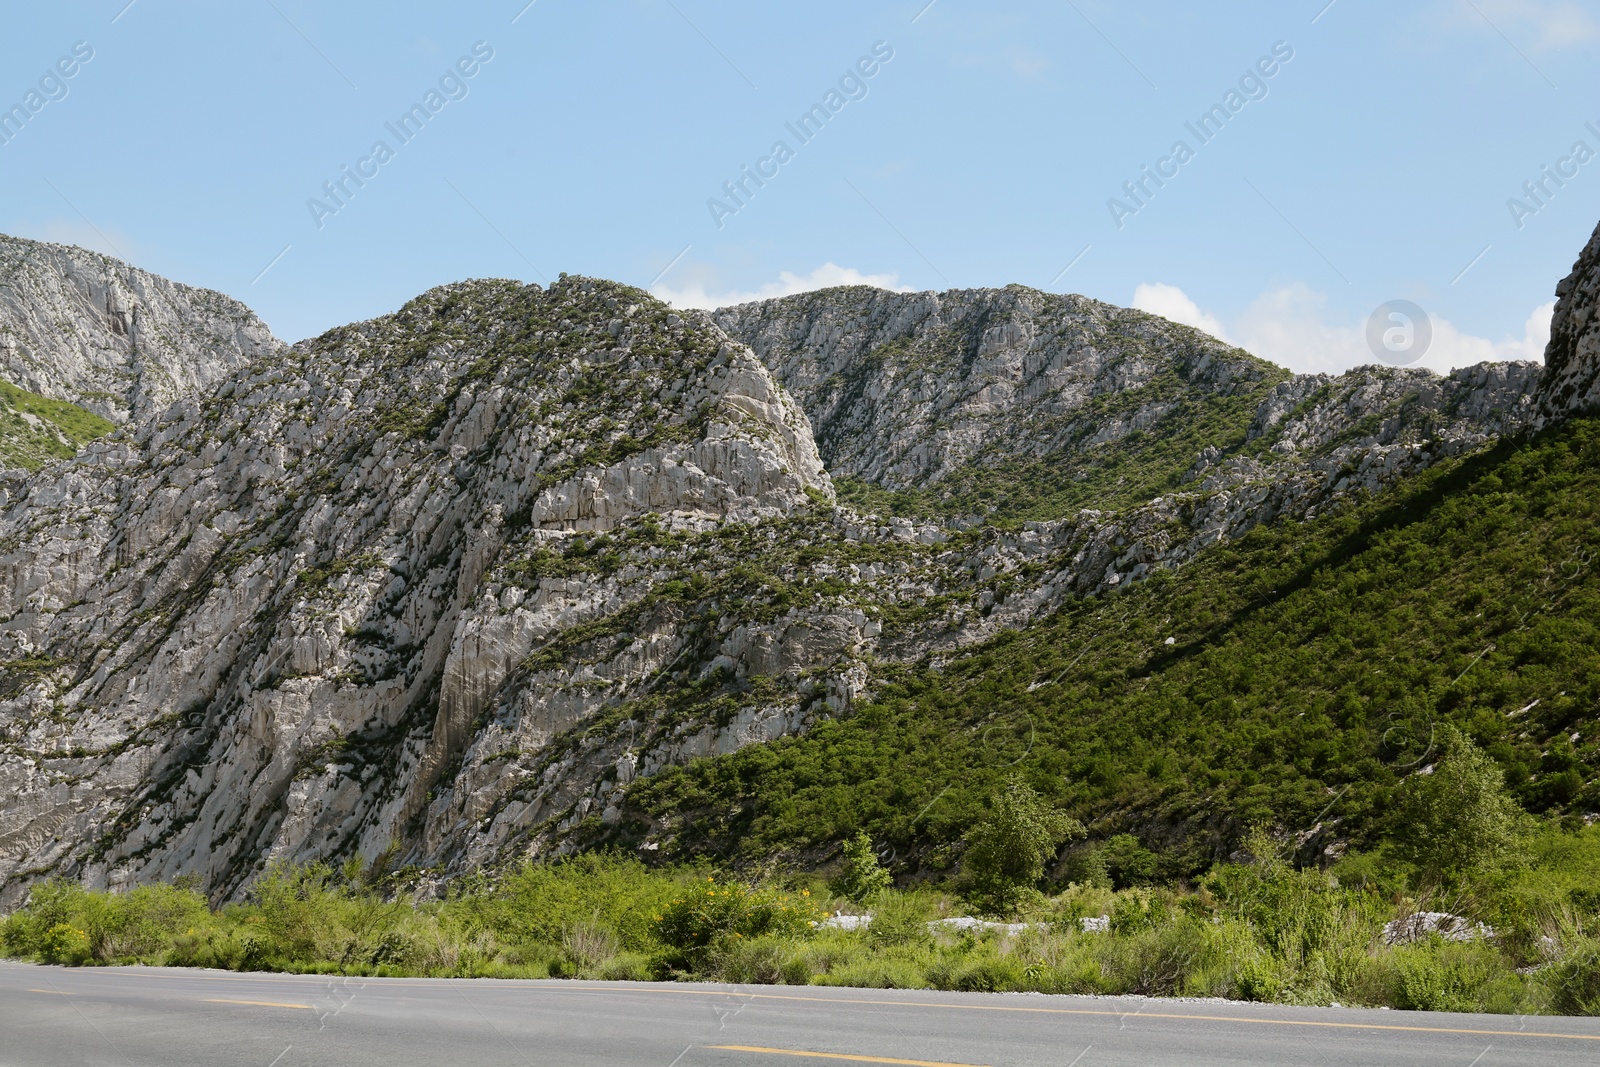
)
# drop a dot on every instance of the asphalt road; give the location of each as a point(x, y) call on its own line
point(132, 1015)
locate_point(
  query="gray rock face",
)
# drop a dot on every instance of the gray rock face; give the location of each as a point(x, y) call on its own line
point(269, 623)
point(1572, 361)
point(905, 388)
point(444, 584)
point(89, 329)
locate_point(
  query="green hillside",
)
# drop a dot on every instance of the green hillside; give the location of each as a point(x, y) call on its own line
point(1293, 678)
point(35, 430)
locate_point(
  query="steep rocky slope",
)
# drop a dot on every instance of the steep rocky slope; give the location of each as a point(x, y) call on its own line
point(972, 398)
point(444, 585)
point(268, 622)
point(1572, 361)
point(82, 327)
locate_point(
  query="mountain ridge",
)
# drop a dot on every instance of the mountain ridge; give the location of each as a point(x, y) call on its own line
point(447, 584)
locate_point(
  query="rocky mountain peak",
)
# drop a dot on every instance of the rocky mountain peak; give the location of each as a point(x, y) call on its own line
point(79, 326)
point(909, 389)
point(276, 616)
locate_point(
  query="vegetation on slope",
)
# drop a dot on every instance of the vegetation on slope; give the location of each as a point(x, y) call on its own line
point(1402, 692)
point(1006, 488)
point(1295, 678)
point(35, 430)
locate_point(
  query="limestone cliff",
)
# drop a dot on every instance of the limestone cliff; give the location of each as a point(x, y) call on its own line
point(79, 326)
point(269, 621)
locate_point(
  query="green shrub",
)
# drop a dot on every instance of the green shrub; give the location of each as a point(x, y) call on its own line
point(755, 961)
point(1127, 862)
point(893, 968)
point(979, 969)
point(1459, 819)
point(1438, 976)
point(709, 913)
point(1155, 960)
point(1007, 850)
point(1574, 980)
point(862, 876)
point(64, 943)
point(900, 920)
point(540, 902)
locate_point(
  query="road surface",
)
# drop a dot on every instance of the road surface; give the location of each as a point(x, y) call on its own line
point(170, 1016)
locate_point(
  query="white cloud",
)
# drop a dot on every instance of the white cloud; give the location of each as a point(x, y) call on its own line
point(1291, 327)
point(1549, 23)
point(1173, 303)
point(698, 294)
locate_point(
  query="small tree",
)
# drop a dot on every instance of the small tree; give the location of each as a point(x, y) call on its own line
point(863, 877)
point(1459, 819)
point(1007, 851)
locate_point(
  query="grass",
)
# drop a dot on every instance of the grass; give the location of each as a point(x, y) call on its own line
point(1258, 931)
point(34, 430)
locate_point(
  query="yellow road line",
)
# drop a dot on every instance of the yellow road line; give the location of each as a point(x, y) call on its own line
point(837, 1056)
point(1112, 1014)
point(256, 1003)
point(52, 992)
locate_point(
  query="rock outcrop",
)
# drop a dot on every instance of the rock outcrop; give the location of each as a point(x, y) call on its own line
point(82, 327)
point(905, 389)
point(270, 622)
point(1572, 360)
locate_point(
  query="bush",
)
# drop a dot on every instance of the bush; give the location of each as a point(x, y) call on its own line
point(1443, 977)
point(1006, 852)
point(1155, 960)
point(540, 902)
point(863, 877)
point(1127, 862)
point(64, 943)
point(1574, 980)
point(900, 920)
point(756, 961)
point(710, 914)
point(1459, 819)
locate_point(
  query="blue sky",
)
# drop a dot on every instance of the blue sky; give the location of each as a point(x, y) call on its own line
point(1377, 162)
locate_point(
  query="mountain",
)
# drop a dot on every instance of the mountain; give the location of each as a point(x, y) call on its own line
point(117, 341)
point(1017, 404)
point(487, 577)
point(1007, 403)
point(267, 621)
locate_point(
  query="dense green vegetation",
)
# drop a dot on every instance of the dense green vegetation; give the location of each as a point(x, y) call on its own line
point(56, 429)
point(1293, 678)
point(1258, 930)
